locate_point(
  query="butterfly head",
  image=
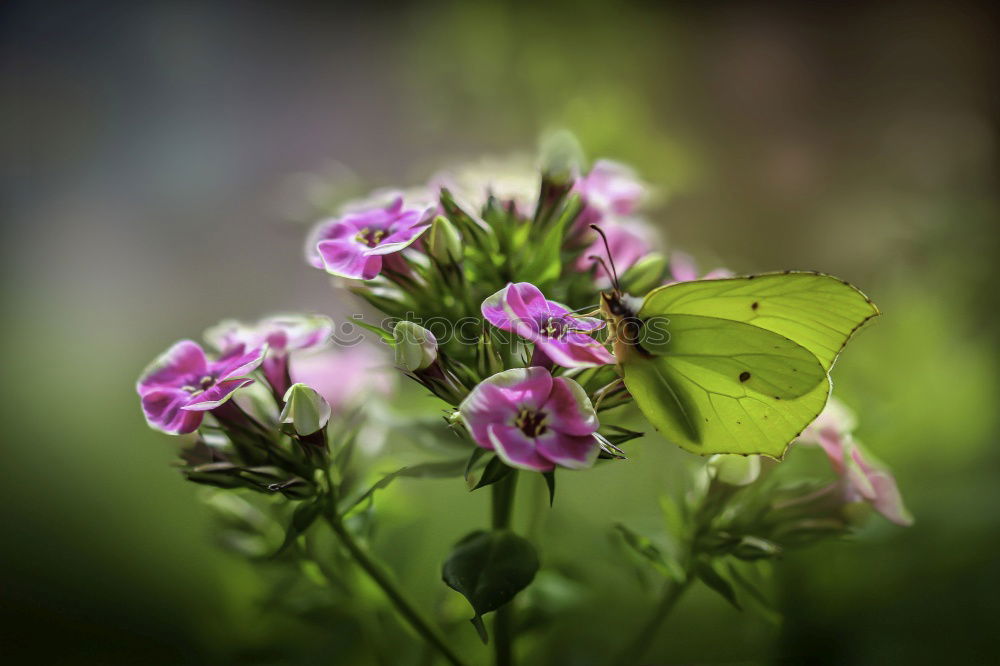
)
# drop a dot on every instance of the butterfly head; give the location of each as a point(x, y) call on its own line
point(618, 308)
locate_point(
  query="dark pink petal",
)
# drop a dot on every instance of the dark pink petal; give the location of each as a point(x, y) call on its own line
point(162, 408)
point(574, 452)
point(400, 239)
point(585, 323)
point(348, 259)
point(237, 363)
point(524, 302)
point(516, 449)
point(499, 398)
point(494, 312)
point(575, 350)
point(569, 409)
point(215, 395)
point(484, 406)
point(174, 367)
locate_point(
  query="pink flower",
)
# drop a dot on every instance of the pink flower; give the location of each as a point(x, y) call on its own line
point(532, 420)
point(684, 269)
point(861, 479)
point(182, 384)
point(608, 190)
point(353, 246)
point(344, 377)
point(628, 244)
point(522, 309)
point(281, 333)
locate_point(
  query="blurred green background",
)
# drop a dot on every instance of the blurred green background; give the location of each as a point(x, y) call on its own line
point(150, 152)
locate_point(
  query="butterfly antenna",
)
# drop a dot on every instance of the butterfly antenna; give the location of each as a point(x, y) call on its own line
point(607, 248)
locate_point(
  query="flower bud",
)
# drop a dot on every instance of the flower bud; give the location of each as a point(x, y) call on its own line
point(645, 274)
point(734, 470)
point(305, 410)
point(416, 347)
point(444, 242)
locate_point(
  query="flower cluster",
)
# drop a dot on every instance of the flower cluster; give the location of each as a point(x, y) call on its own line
point(486, 280)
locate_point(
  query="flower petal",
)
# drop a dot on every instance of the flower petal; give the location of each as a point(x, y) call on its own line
point(494, 312)
point(346, 258)
point(516, 449)
point(569, 409)
point(574, 452)
point(525, 302)
point(498, 399)
point(173, 367)
point(575, 350)
point(216, 395)
point(237, 362)
point(405, 234)
point(163, 409)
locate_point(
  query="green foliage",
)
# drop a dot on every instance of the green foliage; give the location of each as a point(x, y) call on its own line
point(489, 569)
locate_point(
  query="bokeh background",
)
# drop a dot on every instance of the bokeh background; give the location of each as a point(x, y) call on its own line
point(154, 181)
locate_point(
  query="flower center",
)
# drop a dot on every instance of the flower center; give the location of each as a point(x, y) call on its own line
point(531, 422)
point(555, 327)
point(200, 385)
point(370, 237)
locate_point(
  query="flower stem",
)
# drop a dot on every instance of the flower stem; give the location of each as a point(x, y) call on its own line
point(382, 578)
point(672, 592)
point(502, 508)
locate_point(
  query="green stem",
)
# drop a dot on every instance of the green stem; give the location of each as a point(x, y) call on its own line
point(672, 592)
point(382, 578)
point(502, 508)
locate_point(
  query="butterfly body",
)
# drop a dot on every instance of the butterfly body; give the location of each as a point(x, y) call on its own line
point(735, 365)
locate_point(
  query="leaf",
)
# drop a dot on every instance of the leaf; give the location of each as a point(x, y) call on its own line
point(489, 569)
point(641, 545)
point(650, 552)
point(760, 603)
point(303, 517)
point(704, 570)
point(550, 481)
point(494, 471)
point(477, 453)
point(429, 470)
point(386, 336)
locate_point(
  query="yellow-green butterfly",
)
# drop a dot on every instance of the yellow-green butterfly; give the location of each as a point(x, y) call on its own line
point(734, 365)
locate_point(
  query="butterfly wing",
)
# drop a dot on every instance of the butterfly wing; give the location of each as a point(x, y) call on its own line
point(740, 365)
point(819, 312)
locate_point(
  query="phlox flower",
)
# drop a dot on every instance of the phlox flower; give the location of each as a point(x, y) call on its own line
point(609, 190)
point(355, 244)
point(628, 243)
point(862, 480)
point(684, 269)
point(522, 309)
point(282, 334)
point(532, 420)
point(182, 384)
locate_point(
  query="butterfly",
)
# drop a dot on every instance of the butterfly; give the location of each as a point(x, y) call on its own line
point(734, 365)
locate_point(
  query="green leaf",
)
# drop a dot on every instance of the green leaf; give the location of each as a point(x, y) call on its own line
point(550, 481)
point(429, 470)
point(704, 570)
point(759, 602)
point(489, 569)
point(386, 336)
point(303, 517)
point(477, 453)
point(494, 471)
